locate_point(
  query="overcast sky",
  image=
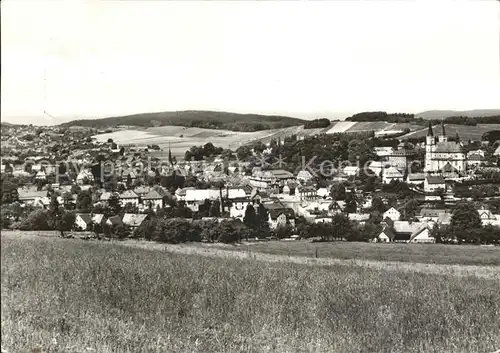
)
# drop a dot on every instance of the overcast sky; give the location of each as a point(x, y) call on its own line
point(105, 58)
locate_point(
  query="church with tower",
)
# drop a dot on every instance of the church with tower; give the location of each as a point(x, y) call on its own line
point(442, 155)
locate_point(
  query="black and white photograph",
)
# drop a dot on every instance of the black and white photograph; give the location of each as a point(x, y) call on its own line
point(254, 176)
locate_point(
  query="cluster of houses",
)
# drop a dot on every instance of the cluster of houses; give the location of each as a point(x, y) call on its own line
point(285, 195)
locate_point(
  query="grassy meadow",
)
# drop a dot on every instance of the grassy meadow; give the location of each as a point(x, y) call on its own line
point(66, 295)
point(414, 253)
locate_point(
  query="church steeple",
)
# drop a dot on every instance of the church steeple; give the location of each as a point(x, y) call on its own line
point(457, 139)
point(430, 132)
point(443, 133)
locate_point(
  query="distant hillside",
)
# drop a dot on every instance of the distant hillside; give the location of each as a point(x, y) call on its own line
point(194, 118)
point(443, 114)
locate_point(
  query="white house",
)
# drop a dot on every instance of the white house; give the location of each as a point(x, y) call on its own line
point(405, 232)
point(128, 196)
point(392, 213)
point(238, 208)
point(433, 183)
point(304, 176)
point(390, 174)
point(153, 199)
point(488, 218)
point(280, 215)
point(85, 176)
point(351, 170)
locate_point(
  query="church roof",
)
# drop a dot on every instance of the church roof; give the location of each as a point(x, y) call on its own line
point(448, 147)
point(429, 131)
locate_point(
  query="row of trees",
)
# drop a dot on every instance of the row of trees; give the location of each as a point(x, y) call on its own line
point(466, 227)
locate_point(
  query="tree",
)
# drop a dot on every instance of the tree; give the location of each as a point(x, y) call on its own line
point(464, 219)
point(67, 221)
point(338, 192)
point(378, 204)
point(214, 210)
point(114, 204)
point(350, 203)
point(36, 220)
point(341, 226)
point(410, 210)
point(121, 231)
point(243, 152)
point(250, 218)
point(84, 201)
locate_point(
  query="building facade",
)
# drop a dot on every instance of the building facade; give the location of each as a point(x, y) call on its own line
point(439, 152)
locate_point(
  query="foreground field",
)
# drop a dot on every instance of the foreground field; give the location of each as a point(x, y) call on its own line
point(74, 296)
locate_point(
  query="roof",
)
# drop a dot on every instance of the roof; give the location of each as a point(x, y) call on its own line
point(435, 179)
point(29, 195)
point(359, 216)
point(403, 152)
point(448, 147)
point(448, 168)
point(115, 220)
point(85, 217)
point(304, 174)
point(105, 196)
point(276, 209)
point(416, 176)
point(392, 172)
point(431, 212)
point(152, 195)
point(392, 209)
point(128, 194)
point(133, 219)
point(97, 218)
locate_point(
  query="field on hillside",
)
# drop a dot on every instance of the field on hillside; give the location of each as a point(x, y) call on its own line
point(75, 296)
point(414, 253)
point(465, 132)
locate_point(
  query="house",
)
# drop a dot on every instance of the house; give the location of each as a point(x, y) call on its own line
point(105, 196)
point(84, 221)
point(351, 170)
point(84, 177)
point(390, 174)
point(405, 232)
point(114, 221)
point(474, 160)
point(267, 178)
point(433, 183)
point(40, 175)
point(360, 218)
point(439, 216)
point(304, 176)
point(196, 197)
point(383, 151)
point(279, 215)
point(153, 199)
point(377, 167)
point(128, 196)
point(323, 193)
point(133, 220)
point(238, 207)
point(488, 218)
point(30, 197)
point(392, 213)
point(415, 178)
point(307, 192)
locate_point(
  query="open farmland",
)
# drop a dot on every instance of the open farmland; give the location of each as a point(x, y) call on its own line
point(74, 296)
point(465, 132)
